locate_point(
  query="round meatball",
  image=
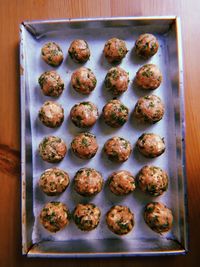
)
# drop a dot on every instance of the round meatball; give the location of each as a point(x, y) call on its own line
point(158, 217)
point(54, 181)
point(52, 149)
point(115, 50)
point(150, 145)
point(121, 183)
point(51, 83)
point(52, 54)
point(149, 77)
point(84, 145)
point(88, 182)
point(51, 114)
point(86, 216)
point(120, 220)
point(149, 109)
point(79, 51)
point(152, 180)
point(146, 45)
point(117, 149)
point(83, 80)
point(54, 216)
point(115, 113)
point(84, 114)
point(117, 80)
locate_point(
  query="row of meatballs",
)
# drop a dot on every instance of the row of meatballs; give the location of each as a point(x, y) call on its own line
point(148, 109)
point(84, 81)
point(88, 182)
point(120, 219)
point(114, 50)
point(53, 149)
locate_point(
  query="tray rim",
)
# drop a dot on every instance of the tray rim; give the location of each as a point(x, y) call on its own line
point(27, 250)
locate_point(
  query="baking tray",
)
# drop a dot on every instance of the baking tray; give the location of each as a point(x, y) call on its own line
point(71, 242)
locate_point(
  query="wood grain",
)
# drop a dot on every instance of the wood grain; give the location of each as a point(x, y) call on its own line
point(12, 12)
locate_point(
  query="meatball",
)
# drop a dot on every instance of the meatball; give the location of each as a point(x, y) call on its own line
point(84, 114)
point(54, 216)
point(117, 149)
point(149, 109)
point(149, 77)
point(51, 83)
point(121, 183)
point(88, 182)
point(54, 181)
point(152, 180)
point(117, 80)
point(115, 50)
point(52, 54)
point(83, 80)
point(150, 145)
point(79, 51)
point(52, 149)
point(158, 217)
point(146, 45)
point(115, 113)
point(84, 145)
point(86, 216)
point(51, 114)
point(120, 220)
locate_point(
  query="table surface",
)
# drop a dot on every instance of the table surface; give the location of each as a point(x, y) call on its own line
point(12, 13)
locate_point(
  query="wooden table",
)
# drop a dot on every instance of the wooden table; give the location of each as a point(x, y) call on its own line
point(12, 13)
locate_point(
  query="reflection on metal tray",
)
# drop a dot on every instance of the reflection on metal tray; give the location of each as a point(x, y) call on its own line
point(71, 242)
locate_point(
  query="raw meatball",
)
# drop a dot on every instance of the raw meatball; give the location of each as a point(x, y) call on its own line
point(149, 77)
point(146, 45)
point(84, 114)
point(54, 181)
point(79, 51)
point(115, 113)
point(151, 145)
point(152, 180)
point(158, 217)
point(52, 149)
point(86, 216)
point(120, 220)
point(83, 80)
point(54, 216)
point(121, 183)
point(51, 114)
point(117, 80)
point(115, 50)
point(149, 109)
point(84, 145)
point(52, 54)
point(51, 83)
point(118, 149)
point(88, 182)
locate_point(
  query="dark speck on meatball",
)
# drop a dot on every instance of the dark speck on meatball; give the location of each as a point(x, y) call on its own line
point(115, 50)
point(148, 77)
point(86, 216)
point(83, 80)
point(79, 51)
point(151, 145)
point(146, 45)
point(84, 145)
point(84, 114)
point(120, 220)
point(149, 109)
point(115, 113)
point(158, 217)
point(117, 80)
point(52, 54)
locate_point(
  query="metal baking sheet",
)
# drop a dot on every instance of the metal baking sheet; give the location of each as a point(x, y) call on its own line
point(71, 242)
